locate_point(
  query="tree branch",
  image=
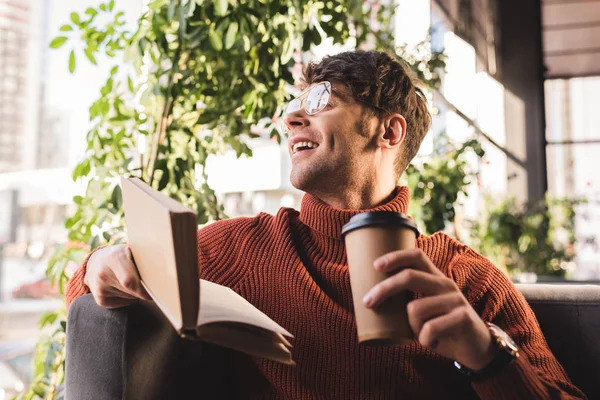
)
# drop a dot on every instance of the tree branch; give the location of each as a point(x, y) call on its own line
point(161, 133)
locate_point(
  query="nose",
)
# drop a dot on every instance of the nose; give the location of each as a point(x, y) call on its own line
point(296, 119)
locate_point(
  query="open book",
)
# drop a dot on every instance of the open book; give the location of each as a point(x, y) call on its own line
point(162, 236)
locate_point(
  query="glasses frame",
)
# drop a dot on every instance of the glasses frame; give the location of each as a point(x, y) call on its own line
point(301, 98)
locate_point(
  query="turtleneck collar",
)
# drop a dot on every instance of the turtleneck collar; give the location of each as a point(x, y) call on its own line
point(329, 220)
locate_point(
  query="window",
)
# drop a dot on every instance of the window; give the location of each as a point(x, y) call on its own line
point(573, 157)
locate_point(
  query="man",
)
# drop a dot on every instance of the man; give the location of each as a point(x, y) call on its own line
point(352, 133)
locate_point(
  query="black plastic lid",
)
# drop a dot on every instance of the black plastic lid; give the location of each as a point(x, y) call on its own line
point(379, 218)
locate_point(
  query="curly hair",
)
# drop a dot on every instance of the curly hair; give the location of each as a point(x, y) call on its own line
point(376, 78)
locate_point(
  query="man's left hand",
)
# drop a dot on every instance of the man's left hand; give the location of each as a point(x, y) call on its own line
point(442, 320)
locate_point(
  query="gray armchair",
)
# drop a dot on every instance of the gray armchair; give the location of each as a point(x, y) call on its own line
point(133, 353)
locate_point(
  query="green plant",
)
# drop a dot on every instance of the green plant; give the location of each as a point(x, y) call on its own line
point(427, 64)
point(437, 183)
point(537, 237)
point(191, 81)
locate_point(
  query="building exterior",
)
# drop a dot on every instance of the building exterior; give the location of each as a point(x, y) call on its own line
point(32, 134)
point(15, 18)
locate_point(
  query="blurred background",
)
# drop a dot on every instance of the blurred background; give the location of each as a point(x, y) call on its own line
point(514, 104)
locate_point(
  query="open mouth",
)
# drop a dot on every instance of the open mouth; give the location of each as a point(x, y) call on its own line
point(303, 146)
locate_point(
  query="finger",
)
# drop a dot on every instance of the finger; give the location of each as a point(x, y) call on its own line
point(106, 286)
point(117, 292)
point(142, 289)
point(408, 279)
point(422, 310)
point(413, 258)
point(114, 302)
point(128, 277)
point(443, 327)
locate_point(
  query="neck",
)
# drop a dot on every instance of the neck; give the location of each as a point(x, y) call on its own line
point(328, 220)
point(366, 197)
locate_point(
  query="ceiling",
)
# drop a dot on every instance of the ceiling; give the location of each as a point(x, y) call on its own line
point(571, 37)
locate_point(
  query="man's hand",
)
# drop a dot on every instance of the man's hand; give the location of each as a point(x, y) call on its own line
point(443, 320)
point(113, 278)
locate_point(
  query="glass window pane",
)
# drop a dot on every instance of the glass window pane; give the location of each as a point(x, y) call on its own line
point(573, 173)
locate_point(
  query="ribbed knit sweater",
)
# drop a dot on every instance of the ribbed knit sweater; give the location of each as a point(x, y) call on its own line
point(293, 267)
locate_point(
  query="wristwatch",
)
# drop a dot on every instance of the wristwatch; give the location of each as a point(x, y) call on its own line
point(507, 354)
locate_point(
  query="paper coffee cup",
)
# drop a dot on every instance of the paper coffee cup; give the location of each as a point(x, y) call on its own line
point(368, 236)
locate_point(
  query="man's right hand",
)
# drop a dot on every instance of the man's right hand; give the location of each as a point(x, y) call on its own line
point(113, 277)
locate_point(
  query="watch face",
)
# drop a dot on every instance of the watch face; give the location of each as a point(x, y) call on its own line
point(503, 339)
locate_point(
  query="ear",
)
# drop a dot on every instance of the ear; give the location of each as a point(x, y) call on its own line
point(394, 131)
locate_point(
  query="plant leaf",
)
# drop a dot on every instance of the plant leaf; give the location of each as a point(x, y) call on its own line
point(287, 51)
point(90, 55)
point(47, 318)
point(171, 10)
point(38, 390)
point(215, 40)
point(57, 42)
point(66, 28)
point(116, 197)
point(231, 35)
point(164, 179)
point(95, 242)
point(130, 84)
point(72, 61)
point(221, 7)
point(75, 18)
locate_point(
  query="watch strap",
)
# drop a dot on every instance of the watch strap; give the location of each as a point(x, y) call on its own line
point(497, 365)
point(507, 352)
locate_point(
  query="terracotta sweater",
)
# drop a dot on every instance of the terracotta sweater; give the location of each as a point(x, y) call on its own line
point(293, 267)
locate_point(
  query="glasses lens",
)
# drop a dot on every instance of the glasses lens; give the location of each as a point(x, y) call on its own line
point(317, 98)
point(293, 106)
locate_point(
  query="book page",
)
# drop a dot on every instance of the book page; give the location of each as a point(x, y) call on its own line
point(248, 342)
point(172, 319)
point(162, 237)
point(150, 239)
point(221, 304)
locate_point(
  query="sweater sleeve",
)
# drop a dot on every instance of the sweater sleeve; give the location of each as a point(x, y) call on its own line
point(76, 287)
point(536, 374)
point(222, 255)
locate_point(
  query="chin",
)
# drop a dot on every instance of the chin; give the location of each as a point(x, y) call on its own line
point(299, 182)
point(309, 182)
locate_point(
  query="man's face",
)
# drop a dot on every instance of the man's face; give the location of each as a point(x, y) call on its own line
point(332, 148)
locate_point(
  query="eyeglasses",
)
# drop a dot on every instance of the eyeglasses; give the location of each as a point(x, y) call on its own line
point(315, 100)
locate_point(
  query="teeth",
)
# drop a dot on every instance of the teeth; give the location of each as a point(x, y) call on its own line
point(304, 144)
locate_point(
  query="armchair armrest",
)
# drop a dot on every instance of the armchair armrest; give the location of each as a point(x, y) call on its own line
point(134, 353)
point(569, 316)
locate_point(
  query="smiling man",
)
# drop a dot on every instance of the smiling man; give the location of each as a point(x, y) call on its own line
point(352, 133)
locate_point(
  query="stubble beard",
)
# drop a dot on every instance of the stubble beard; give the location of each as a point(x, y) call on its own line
point(326, 176)
point(322, 179)
point(310, 178)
